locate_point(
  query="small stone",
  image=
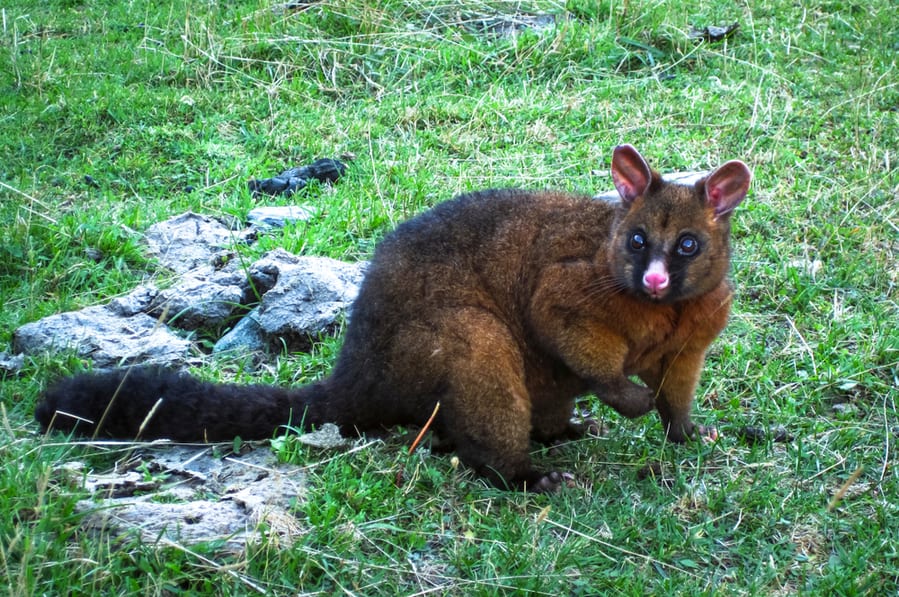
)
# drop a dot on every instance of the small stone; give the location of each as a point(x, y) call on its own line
point(275, 216)
point(326, 437)
point(11, 363)
point(845, 409)
point(752, 435)
point(246, 337)
point(780, 434)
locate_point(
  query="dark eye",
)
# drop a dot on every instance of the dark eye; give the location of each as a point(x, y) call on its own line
point(638, 243)
point(687, 246)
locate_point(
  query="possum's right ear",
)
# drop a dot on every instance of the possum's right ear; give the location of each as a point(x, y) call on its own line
point(630, 173)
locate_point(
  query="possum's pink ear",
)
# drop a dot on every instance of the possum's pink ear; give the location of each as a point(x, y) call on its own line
point(726, 187)
point(630, 173)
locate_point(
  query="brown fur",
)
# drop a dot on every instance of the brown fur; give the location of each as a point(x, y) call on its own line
point(502, 305)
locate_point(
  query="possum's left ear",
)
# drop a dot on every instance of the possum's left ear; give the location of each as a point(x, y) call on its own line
point(727, 186)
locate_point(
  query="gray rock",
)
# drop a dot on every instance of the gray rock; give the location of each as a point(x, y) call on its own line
point(136, 301)
point(202, 301)
point(326, 437)
point(11, 364)
point(276, 216)
point(99, 334)
point(246, 338)
point(182, 523)
point(309, 297)
point(302, 298)
point(194, 496)
point(186, 242)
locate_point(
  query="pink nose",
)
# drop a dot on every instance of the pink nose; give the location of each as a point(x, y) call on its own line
point(655, 282)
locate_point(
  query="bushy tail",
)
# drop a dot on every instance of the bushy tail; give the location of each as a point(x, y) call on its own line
point(150, 403)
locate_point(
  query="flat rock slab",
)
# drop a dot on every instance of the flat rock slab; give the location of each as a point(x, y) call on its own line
point(188, 241)
point(187, 495)
point(103, 336)
point(276, 216)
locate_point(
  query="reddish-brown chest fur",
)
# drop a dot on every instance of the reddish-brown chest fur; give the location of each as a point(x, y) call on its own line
point(654, 330)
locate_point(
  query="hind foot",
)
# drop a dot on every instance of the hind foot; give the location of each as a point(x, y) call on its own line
point(547, 482)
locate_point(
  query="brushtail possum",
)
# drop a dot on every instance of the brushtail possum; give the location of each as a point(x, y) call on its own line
point(504, 306)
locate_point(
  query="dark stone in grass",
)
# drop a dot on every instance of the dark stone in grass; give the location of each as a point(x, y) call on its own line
point(247, 338)
point(779, 434)
point(324, 170)
point(753, 435)
point(276, 185)
point(712, 33)
point(654, 471)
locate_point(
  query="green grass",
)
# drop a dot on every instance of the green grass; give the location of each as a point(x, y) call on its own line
point(150, 100)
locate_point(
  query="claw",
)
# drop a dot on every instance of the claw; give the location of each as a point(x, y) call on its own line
point(707, 435)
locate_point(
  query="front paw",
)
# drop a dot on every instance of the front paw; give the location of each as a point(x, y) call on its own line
point(634, 401)
point(627, 398)
point(681, 433)
point(640, 401)
point(706, 435)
